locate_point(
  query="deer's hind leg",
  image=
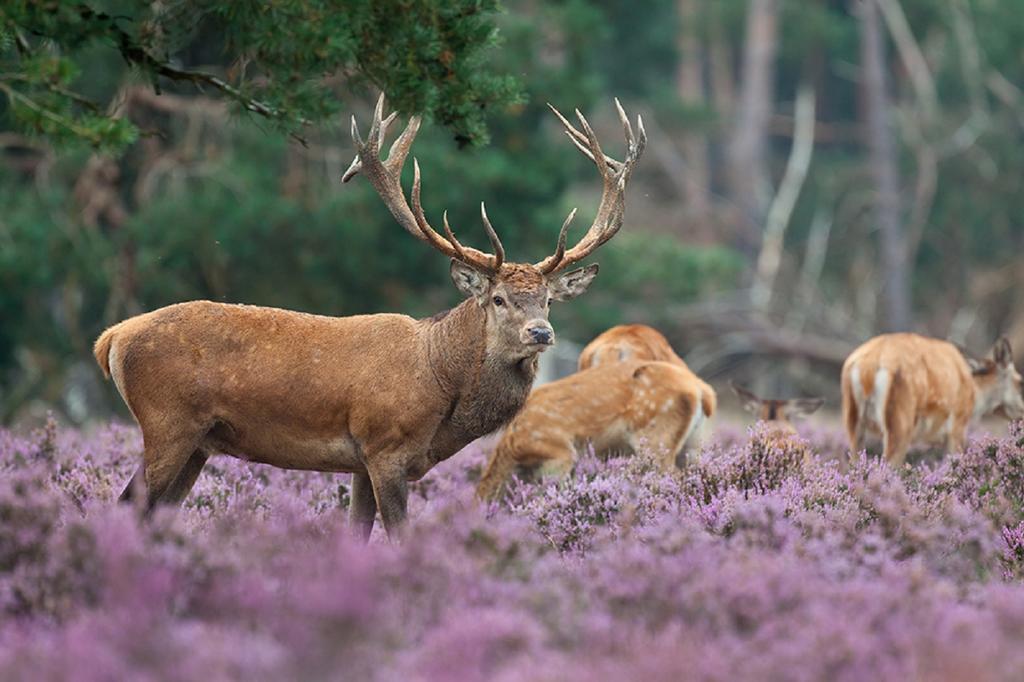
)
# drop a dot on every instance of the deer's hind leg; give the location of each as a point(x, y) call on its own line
point(167, 455)
point(667, 430)
point(362, 508)
point(186, 478)
point(899, 425)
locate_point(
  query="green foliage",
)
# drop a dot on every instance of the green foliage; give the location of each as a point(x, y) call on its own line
point(277, 59)
point(640, 268)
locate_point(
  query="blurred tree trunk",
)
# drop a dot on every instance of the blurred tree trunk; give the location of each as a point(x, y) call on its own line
point(690, 87)
point(720, 66)
point(748, 172)
point(895, 294)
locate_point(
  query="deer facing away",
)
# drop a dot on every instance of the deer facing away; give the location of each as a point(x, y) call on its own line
point(907, 388)
point(385, 397)
point(615, 407)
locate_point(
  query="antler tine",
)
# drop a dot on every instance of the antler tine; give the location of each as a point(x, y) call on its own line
point(580, 140)
point(627, 129)
point(376, 134)
point(451, 236)
point(499, 250)
point(378, 130)
point(550, 263)
point(592, 143)
point(402, 144)
point(614, 175)
point(445, 246)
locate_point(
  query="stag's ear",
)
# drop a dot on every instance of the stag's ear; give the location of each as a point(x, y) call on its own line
point(1002, 353)
point(572, 284)
point(751, 403)
point(801, 407)
point(471, 282)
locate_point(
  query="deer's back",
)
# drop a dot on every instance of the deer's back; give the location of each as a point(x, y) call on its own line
point(627, 343)
point(928, 376)
point(602, 405)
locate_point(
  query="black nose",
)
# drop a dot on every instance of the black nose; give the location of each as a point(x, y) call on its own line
point(541, 335)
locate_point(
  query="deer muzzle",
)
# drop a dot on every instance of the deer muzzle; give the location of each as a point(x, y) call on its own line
point(538, 333)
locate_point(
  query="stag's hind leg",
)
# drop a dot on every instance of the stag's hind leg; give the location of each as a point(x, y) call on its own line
point(136, 484)
point(167, 456)
point(362, 507)
point(391, 492)
point(186, 478)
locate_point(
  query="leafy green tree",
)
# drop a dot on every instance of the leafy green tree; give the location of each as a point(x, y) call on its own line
point(275, 59)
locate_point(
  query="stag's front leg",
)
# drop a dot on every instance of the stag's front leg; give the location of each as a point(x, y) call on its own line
point(391, 489)
point(362, 507)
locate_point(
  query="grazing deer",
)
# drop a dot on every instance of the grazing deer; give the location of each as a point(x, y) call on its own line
point(384, 397)
point(907, 388)
point(633, 342)
point(628, 342)
point(776, 414)
point(620, 406)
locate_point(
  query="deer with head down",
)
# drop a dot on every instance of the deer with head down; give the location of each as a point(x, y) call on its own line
point(619, 407)
point(384, 397)
point(634, 342)
point(632, 394)
point(907, 388)
point(777, 414)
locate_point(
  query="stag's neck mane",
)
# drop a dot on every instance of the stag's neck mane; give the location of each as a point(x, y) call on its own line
point(486, 389)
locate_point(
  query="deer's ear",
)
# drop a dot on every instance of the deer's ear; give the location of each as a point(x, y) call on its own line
point(751, 403)
point(471, 282)
point(1002, 353)
point(572, 284)
point(801, 407)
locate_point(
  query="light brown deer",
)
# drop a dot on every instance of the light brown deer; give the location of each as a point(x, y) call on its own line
point(632, 342)
point(907, 388)
point(385, 397)
point(616, 407)
point(627, 342)
point(776, 414)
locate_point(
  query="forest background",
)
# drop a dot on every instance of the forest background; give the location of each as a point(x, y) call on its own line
point(819, 170)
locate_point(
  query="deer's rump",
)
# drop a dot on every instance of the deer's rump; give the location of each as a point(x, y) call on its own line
point(926, 377)
point(285, 388)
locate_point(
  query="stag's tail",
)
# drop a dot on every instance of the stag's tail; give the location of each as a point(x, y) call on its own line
point(102, 349)
point(499, 469)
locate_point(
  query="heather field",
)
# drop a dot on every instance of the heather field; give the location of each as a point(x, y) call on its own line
point(764, 561)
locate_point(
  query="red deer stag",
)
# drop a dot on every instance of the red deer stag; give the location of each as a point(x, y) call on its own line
point(384, 397)
point(907, 388)
point(775, 413)
point(619, 406)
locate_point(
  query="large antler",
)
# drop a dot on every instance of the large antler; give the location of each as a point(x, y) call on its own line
point(385, 176)
point(615, 175)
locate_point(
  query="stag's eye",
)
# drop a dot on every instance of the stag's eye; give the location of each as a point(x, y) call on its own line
point(498, 301)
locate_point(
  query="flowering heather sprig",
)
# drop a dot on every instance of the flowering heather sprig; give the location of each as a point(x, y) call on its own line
point(766, 558)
